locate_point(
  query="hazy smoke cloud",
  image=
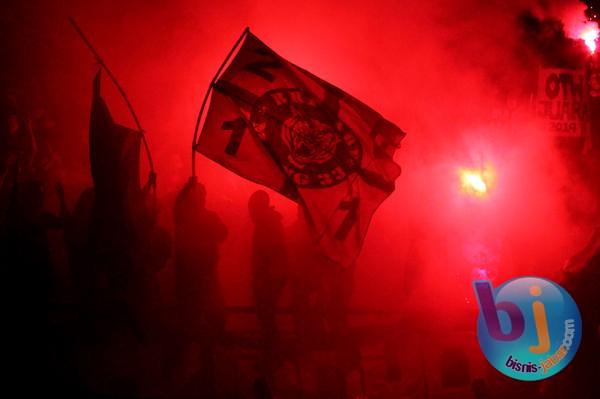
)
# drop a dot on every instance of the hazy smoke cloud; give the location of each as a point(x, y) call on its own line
point(458, 76)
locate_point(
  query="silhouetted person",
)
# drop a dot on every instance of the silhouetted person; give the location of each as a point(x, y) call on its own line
point(198, 234)
point(582, 279)
point(77, 240)
point(269, 263)
point(304, 275)
point(151, 249)
point(320, 294)
point(114, 166)
point(29, 253)
point(321, 288)
point(28, 277)
point(261, 389)
point(330, 382)
point(201, 309)
point(17, 142)
point(45, 160)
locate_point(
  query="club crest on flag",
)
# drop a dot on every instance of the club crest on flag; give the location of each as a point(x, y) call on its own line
point(316, 149)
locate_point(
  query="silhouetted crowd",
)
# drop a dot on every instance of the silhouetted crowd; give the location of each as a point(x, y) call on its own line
point(112, 334)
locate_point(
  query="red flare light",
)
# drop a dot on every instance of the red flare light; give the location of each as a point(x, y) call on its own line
point(589, 36)
point(476, 182)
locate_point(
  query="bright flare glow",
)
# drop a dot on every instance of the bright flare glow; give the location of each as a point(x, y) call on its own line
point(476, 182)
point(589, 36)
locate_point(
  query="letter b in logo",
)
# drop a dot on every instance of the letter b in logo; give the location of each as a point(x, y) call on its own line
point(490, 310)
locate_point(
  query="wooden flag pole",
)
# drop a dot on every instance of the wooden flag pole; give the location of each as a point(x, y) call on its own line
point(118, 86)
point(210, 86)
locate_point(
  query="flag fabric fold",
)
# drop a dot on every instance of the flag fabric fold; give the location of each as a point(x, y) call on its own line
point(278, 125)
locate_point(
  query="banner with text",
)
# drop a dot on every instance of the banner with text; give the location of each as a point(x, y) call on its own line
point(562, 102)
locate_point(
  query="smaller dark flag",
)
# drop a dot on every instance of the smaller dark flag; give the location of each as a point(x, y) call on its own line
point(114, 153)
point(278, 125)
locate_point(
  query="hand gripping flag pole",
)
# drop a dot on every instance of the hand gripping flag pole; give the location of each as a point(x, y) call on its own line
point(119, 88)
point(210, 87)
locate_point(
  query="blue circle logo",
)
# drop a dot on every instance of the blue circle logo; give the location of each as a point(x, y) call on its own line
point(529, 328)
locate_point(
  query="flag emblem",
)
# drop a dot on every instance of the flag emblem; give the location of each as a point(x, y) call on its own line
point(316, 149)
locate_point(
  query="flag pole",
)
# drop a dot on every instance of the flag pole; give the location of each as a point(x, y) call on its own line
point(210, 86)
point(118, 86)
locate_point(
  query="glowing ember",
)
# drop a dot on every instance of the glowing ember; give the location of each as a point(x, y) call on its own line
point(475, 182)
point(589, 36)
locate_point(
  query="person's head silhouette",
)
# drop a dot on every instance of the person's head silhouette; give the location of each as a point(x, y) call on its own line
point(258, 204)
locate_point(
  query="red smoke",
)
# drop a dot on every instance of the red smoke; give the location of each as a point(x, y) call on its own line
point(455, 75)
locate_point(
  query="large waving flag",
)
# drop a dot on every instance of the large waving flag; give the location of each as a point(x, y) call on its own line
point(278, 125)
